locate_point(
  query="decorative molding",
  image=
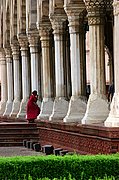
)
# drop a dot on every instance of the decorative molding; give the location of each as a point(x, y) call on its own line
point(95, 20)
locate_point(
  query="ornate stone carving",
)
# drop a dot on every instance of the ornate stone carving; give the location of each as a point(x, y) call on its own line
point(91, 5)
point(15, 51)
point(109, 5)
point(33, 39)
point(95, 20)
point(45, 30)
point(57, 22)
point(116, 8)
point(96, 11)
point(45, 43)
point(2, 57)
point(23, 41)
point(8, 53)
point(75, 16)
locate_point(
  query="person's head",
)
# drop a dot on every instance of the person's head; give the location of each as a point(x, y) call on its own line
point(34, 93)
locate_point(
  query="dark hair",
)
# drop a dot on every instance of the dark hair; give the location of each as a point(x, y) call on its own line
point(34, 92)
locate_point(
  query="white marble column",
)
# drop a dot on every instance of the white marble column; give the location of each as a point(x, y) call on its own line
point(9, 61)
point(113, 118)
point(17, 80)
point(60, 106)
point(23, 41)
point(77, 105)
point(47, 103)
point(33, 44)
point(33, 38)
point(97, 107)
point(3, 71)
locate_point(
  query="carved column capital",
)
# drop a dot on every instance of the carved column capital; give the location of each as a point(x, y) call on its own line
point(23, 41)
point(33, 38)
point(96, 11)
point(8, 52)
point(57, 22)
point(75, 15)
point(2, 56)
point(44, 29)
point(44, 32)
point(15, 50)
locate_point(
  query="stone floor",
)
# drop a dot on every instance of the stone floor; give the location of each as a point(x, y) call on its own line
point(18, 151)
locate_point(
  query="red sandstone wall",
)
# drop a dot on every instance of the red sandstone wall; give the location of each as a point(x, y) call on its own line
point(82, 139)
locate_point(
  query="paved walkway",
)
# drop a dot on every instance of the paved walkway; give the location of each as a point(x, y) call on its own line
point(18, 151)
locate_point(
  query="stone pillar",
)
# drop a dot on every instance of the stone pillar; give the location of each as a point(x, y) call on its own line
point(113, 118)
point(3, 71)
point(60, 106)
point(97, 107)
point(33, 41)
point(47, 103)
point(9, 61)
point(77, 105)
point(33, 38)
point(23, 41)
point(17, 79)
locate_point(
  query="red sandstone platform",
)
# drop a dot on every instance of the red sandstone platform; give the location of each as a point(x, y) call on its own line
point(84, 139)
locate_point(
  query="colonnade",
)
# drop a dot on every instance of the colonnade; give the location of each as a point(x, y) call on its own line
point(43, 48)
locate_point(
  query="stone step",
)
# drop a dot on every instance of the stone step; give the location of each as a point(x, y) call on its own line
point(37, 147)
point(63, 152)
point(56, 151)
point(47, 149)
point(13, 134)
point(10, 144)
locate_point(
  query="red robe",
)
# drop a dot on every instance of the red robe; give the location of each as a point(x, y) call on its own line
point(32, 108)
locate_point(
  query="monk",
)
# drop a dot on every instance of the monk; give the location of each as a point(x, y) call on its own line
point(32, 108)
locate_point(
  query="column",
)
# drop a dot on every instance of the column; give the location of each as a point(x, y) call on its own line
point(17, 79)
point(34, 39)
point(47, 103)
point(23, 41)
point(3, 71)
point(97, 107)
point(77, 105)
point(113, 118)
point(60, 105)
point(9, 103)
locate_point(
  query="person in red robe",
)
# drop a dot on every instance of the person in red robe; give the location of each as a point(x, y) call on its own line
point(33, 109)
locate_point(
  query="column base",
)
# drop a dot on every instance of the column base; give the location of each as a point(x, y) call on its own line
point(2, 107)
point(60, 108)
point(77, 109)
point(15, 108)
point(113, 118)
point(8, 108)
point(112, 122)
point(46, 109)
point(22, 111)
point(97, 109)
